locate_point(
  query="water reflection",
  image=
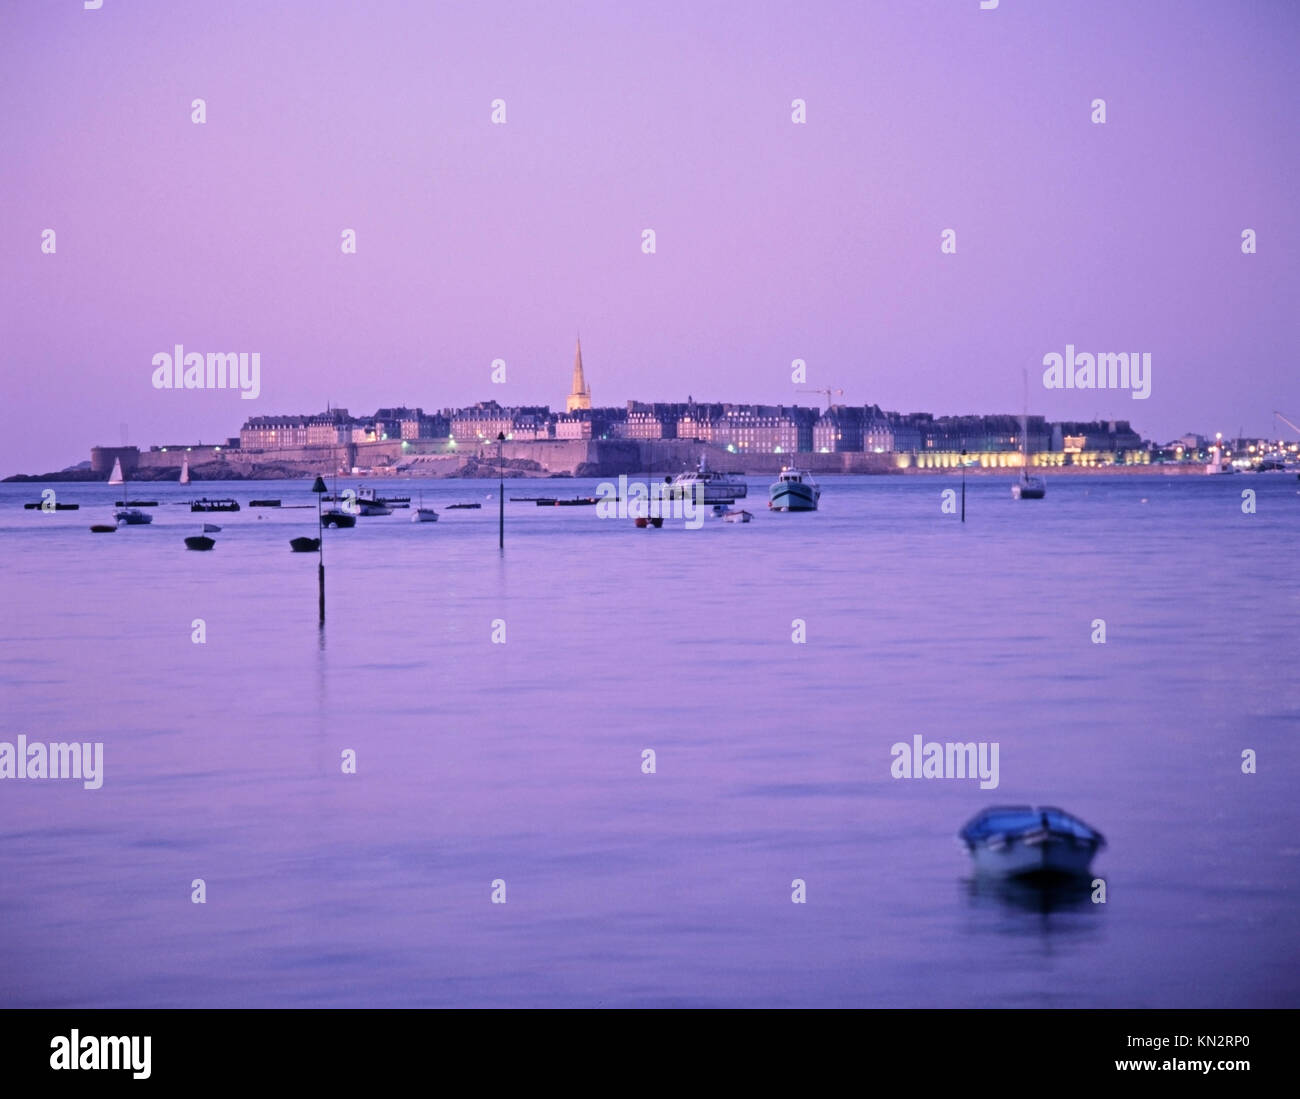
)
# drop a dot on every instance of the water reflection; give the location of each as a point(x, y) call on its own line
point(1058, 907)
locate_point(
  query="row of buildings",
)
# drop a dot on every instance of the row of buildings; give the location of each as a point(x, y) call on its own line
point(740, 428)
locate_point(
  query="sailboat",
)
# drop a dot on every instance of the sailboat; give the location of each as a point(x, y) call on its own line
point(1029, 486)
point(128, 516)
point(185, 470)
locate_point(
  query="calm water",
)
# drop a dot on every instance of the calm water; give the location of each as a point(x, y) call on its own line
point(522, 761)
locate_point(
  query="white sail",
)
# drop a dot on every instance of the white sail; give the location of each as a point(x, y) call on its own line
point(115, 478)
point(185, 470)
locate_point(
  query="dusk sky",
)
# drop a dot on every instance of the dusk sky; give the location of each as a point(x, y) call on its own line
point(775, 240)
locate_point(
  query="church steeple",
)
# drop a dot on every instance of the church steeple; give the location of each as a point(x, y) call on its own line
point(581, 395)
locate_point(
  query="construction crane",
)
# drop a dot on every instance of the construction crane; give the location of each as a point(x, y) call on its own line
point(827, 392)
point(1289, 423)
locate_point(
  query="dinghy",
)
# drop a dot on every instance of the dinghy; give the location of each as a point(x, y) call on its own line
point(1015, 841)
point(199, 542)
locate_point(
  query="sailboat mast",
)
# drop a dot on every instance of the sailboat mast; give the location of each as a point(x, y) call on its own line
point(1024, 428)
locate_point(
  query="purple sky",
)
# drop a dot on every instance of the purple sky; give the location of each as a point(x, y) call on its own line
point(775, 241)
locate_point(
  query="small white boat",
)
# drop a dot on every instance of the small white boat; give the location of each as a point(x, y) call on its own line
point(736, 516)
point(211, 528)
point(1013, 841)
point(424, 515)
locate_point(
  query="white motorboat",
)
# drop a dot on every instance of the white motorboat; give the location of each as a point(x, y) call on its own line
point(1011, 841)
point(424, 515)
point(717, 488)
point(736, 516)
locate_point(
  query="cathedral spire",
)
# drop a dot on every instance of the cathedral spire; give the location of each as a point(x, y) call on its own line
point(581, 395)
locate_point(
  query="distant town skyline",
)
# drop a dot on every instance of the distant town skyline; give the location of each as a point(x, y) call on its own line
point(499, 168)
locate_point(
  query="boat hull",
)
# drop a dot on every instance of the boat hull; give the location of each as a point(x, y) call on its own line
point(133, 518)
point(199, 542)
point(424, 515)
point(1028, 492)
point(792, 496)
point(304, 545)
point(715, 492)
point(1057, 856)
point(338, 519)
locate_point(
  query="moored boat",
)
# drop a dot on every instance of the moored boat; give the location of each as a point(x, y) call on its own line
point(338, 518)
point(199, 542)
point(204, 504)
point(211, 528)
point(1029, 487)
point(706, 485)
point(736, 515)
point(132, 517)
point(794, 490)
point(102, 528)
point(1012, 841)
point(304, 544)
point(424, 515)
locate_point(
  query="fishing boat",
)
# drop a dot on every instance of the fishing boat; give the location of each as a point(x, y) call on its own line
point(422, 514)
point(794, 490)
point(304, 544)
point(199, 542)
point(372, 507)
point(1028, 486)
point(1016, 841)
point(204, 504)
point(185, 470)
point(717, 487)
